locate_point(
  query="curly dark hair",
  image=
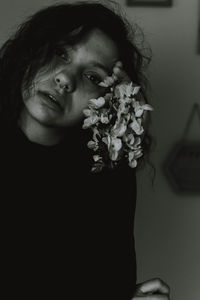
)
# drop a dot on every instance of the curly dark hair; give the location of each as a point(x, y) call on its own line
point(36, 40)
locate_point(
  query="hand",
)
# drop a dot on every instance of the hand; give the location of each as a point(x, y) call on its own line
point(153, 289)
point(120, 74)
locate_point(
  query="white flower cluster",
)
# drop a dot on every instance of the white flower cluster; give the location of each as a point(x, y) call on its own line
point(116, 121)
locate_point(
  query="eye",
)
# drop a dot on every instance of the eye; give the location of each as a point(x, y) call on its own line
point(62, 53)
point(93, 78)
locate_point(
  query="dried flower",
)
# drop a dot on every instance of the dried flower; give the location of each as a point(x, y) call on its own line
point(116, 121)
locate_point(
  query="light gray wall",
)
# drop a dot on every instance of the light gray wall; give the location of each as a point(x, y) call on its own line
point(167, 224)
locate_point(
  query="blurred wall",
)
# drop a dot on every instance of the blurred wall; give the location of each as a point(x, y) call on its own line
point(167, 225)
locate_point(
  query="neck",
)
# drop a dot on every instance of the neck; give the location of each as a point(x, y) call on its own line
point(39, 133)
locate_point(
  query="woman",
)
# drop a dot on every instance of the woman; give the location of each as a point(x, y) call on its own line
point(67, 232)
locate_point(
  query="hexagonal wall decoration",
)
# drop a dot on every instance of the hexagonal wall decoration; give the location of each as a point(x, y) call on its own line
point(182, 167)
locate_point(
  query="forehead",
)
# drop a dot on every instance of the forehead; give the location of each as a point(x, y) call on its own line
point(96, 47)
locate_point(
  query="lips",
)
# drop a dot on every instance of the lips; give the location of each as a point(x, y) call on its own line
point(52, 98)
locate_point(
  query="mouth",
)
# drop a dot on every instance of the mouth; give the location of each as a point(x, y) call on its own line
point(52, 99)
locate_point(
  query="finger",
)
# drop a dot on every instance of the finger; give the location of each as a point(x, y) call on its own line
point(119, 64)
point(119, 71)
point(121, 74)
point(153, 286)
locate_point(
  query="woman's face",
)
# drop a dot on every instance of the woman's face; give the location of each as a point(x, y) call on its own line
point(61, 91)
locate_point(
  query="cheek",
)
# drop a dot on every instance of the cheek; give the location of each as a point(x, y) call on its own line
point(42, 77)
point(46, 73)
point(81, 104)
point(83, 99)
point(28, 93)
point(93, 94)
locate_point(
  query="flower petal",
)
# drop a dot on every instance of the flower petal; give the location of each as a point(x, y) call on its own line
point(88, 122)
point(96, 103)
point(136, 127)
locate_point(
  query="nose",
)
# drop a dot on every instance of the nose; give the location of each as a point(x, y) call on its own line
point(65, 82)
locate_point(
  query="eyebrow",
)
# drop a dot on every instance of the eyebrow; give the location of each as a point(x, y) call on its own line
point(101, 66)
point(93, 62)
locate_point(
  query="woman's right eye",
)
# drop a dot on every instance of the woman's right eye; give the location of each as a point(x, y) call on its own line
point(62, 53)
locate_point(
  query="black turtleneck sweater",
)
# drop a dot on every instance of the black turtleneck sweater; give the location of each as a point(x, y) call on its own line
point(67, 233)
